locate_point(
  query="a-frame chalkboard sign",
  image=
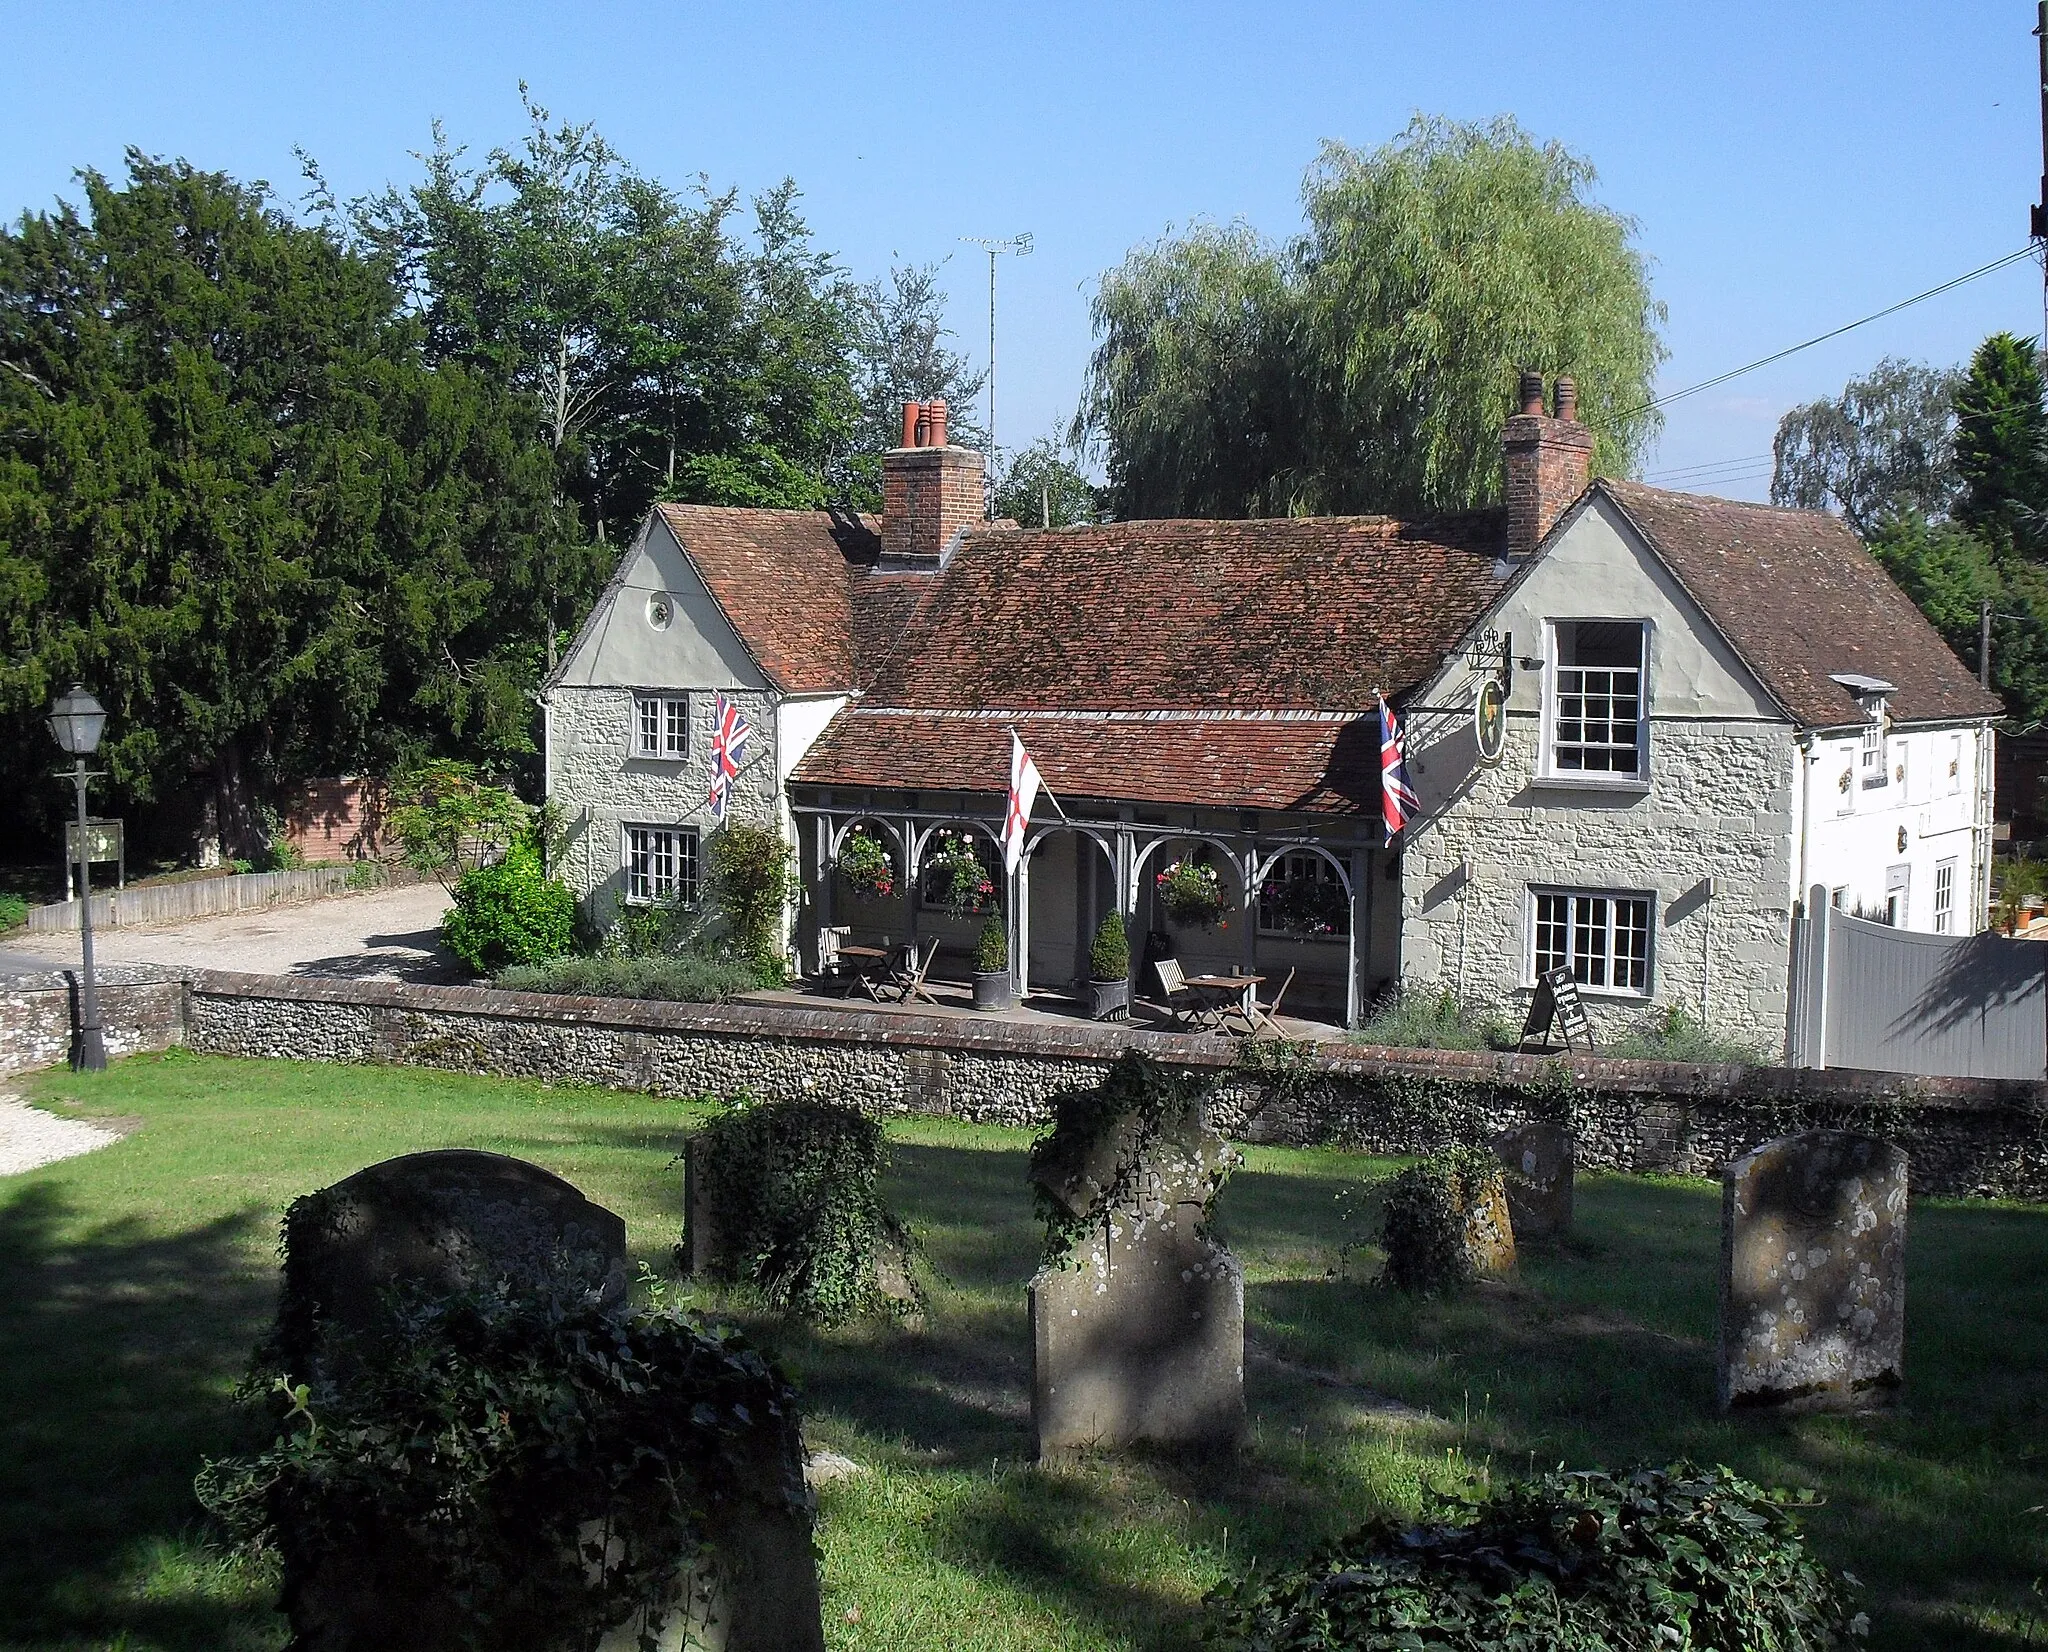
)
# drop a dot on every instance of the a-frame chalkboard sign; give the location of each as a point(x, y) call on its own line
point(1557, 1001)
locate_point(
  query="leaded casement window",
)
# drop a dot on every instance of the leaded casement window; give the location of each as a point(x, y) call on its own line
point(661, 725)
point(661, 864)
point(1604, 940)
point(1945, 897)
point(1599, 727)
point(1303, 895)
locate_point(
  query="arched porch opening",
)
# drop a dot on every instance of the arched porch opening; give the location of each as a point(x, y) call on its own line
point(1203, 949)
point(1067, 886)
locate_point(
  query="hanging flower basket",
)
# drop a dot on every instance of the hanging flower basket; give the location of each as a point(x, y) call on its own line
point(1192, 894)
point(1306, 906)
point(866, 864)
point(955, 877)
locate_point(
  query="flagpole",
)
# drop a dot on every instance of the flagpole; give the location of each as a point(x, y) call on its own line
point(1044, 790)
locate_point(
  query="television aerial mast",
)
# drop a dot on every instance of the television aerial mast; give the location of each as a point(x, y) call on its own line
point(1017, 246)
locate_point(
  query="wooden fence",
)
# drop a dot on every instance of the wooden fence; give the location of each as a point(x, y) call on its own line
point(162, 903)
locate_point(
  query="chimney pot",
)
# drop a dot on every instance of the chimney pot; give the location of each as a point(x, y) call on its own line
point(1532, 393)
point(1567, 397)
point(911, 413)
point(937, 412)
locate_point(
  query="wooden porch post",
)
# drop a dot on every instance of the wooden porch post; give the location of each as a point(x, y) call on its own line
point(1020, 926)
point(821, 825)
point(1248, 942)
point(1359, 955)
point(1127, 895)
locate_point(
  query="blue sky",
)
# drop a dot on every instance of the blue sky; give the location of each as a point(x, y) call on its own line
point(1792, 166)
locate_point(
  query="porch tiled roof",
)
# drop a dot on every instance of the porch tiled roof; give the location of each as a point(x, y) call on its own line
point(1298, 613)
point(1322, 766)
point(1800, 598)
point(798, 588)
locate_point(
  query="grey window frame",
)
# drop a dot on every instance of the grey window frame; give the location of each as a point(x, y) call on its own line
point(685, 874)
point(1575, 897)
point(1549, 770)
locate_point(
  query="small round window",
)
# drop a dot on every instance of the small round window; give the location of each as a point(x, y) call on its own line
point(660, 610)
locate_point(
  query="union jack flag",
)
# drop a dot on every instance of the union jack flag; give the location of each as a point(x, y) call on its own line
point(1397, 798)
point(729, 731)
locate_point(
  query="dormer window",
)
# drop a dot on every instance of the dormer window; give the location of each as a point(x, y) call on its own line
point(1599, 729)
point(1875, 770)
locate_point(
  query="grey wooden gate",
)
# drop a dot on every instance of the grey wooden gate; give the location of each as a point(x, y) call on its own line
point(1896, 1001)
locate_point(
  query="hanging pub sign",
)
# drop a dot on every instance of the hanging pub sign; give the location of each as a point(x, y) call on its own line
point(1490, 720)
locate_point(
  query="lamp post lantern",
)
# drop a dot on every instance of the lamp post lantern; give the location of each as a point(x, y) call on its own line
point(76, 722)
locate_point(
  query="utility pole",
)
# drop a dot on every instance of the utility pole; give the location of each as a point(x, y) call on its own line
point(1019, 245)
point(2037, 225)
point(1984, 643)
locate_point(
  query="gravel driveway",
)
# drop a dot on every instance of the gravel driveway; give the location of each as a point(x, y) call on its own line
point(31, 1138)
point(387, 934)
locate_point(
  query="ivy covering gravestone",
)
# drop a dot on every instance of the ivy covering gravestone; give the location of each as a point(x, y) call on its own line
point(480, 1442)
point(786, 1197)
point(1445, 1223)
point(1582, 1562)
point(1137, 1314)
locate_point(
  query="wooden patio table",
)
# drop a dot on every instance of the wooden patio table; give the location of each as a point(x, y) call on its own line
point(1222, 989)
point(867, 962)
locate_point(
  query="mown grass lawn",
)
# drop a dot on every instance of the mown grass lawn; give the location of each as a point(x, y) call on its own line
point(133, 1282)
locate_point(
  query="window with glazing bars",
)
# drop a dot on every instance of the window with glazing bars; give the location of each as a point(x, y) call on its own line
point(661, 725)
point(1597, 716)
point(1945, 897)
point(661, 864)
point(1604, 940)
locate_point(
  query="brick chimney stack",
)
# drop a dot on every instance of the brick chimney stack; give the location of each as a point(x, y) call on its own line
point(1549, 461)
point(930, 489)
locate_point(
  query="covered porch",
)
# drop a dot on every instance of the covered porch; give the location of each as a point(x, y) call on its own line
point(1314, 897)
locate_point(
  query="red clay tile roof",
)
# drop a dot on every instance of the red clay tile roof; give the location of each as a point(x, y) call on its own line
point(1288, 614)
point(787, 581)
point(1231, 763)
point(1800, 598)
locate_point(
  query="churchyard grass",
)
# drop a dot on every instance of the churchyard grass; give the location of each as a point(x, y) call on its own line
point(134, 1280)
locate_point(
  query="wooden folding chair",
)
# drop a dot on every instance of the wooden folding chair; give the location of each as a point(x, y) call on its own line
point(1182, 1006)
point(911, 985)
point(1265, 1015)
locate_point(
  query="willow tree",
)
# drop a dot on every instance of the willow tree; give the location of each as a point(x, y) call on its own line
point(1367, 364)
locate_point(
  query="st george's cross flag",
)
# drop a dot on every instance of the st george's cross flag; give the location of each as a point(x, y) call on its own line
point(1024, 784)
point(1397, 798)
point(729, 732)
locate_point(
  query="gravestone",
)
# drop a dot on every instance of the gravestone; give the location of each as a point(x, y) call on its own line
point(1813, 1274)
point(1540, 1162)
point(1138, 1332)
point(456, 1221)
point(1489, 1227)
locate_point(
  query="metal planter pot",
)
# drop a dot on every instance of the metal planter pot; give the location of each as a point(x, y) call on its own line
point(1109, 1000)
point(992, 990)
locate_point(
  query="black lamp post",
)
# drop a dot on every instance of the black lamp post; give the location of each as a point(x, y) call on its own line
point(76, 721)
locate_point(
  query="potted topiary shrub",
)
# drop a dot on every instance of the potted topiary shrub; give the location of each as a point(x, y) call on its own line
point(992, 965)
point(1109, 972)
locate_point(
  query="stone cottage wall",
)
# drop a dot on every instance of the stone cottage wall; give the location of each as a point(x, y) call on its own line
point(602, 787)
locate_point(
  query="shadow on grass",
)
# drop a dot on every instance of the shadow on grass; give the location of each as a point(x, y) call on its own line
point(118, 1351)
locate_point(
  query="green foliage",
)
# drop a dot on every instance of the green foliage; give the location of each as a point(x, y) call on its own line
point(866, 864)
point(366, 874)
point(1699, 1561)
point(509, 913)
point(1191, 890)
point(794, 1193)
point(239, 501)
point(1884, 448)
point(1368, 366)
point(1138, 1105)
point(450, 821)
point(1424, 1223)
point(992, 946)
point(660, 351)
point(956, 877)
point(1671, 1034)
point(471, 1448)
point(752, 880)
point(13, 911)
point(1948, 572)
point(1109, 953)
point(2014, 883)
point(686, 978)
point(1041, 488)
point(2001, 443)
point(1405, 1020)
point(900, 355)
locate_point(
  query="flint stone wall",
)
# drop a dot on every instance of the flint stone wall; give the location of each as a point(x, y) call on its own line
point(1964, 1136)
point(142, 1007)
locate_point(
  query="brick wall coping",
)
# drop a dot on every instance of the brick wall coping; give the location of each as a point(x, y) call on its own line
point(1102, 1041)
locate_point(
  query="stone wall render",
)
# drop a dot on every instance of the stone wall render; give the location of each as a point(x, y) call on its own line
point(141, 1008)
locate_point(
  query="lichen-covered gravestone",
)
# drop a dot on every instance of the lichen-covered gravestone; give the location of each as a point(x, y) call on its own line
point(446, 1224)
point(1137, 1316)
point(1539, 1163)
point(1813, 1274)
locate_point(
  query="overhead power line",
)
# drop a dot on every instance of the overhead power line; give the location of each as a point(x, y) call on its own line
point(1847, 327)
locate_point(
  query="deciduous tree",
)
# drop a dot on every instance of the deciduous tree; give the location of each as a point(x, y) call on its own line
point(1885, 447)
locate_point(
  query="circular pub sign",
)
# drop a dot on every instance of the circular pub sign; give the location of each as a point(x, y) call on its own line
point(1490, 720)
